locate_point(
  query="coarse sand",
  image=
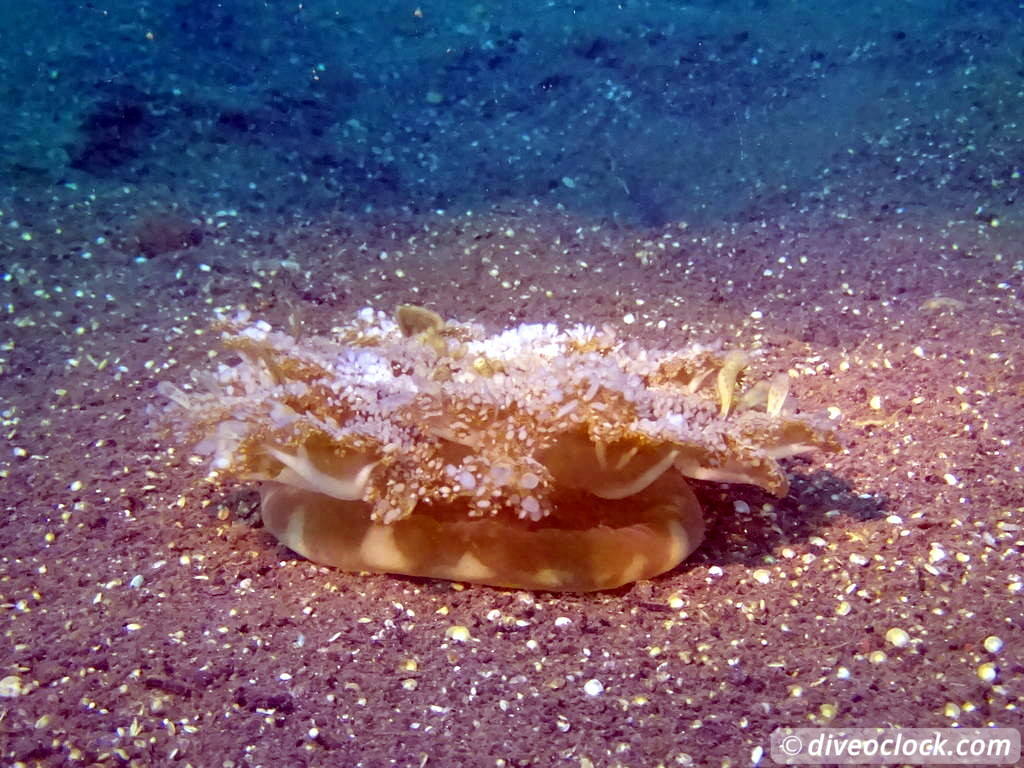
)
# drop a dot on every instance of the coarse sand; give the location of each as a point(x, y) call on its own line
point(149, 620)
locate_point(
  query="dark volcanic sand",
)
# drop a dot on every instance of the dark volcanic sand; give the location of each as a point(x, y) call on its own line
point(149, 620)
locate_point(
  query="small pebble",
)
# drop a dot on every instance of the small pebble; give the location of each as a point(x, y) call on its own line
point(897, 637)
point(458, 633)
point(593, 687)
point(10, 687)
point(993, 644)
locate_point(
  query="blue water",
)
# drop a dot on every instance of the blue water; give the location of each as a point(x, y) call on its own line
point(641, 112)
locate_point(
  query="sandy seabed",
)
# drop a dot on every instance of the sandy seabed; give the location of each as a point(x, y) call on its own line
point(149, 620)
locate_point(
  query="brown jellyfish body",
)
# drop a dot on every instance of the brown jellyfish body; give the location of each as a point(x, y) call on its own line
point(534, 459)
point(584, 544)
